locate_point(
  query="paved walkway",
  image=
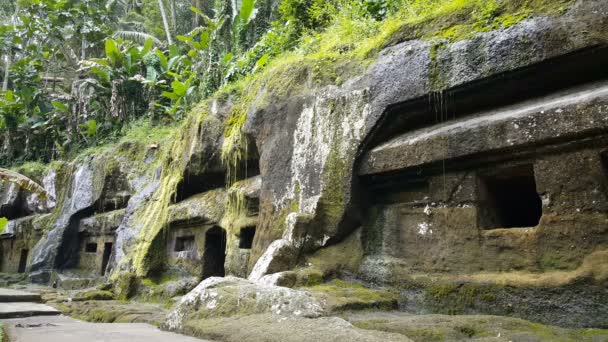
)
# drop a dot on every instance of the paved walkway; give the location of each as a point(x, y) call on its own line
point(27, 321)
point(66, 329)
point(15, 304)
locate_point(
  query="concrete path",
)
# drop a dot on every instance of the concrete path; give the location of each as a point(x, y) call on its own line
point(66, 329)
point(26, 320)
point(14, 304)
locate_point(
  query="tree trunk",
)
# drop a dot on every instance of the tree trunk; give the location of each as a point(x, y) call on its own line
point(8, 58)
point(195, 17)
point(173, 16)
point(165, 23)
point(7, 73)
point(235, 9)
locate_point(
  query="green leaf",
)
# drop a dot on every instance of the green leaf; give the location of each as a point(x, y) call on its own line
point(228, 57)
point(185, 39)
point(261, 62)
point(162, 58)
point(112, 52)
point(147, 46)
point(197, 11)
point(173, 62)
point(179, 88)
point(205, 39)
point(3, 222)
point(9, 96)
point(99, 61)
point(247, 10)
point(170, 95)
point(151, 74)
point(60, 106)
point(173, 50)
point(91, 127)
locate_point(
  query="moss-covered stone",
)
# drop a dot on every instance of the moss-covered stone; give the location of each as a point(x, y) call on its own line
point(125, 285)
point(93, 295)
point(340, 295)
point(470, 327)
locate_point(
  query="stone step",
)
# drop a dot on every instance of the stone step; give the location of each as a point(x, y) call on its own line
point(14, 296)
point(20, 309)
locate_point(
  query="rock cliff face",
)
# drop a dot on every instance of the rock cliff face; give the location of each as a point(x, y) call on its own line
point(465, 177)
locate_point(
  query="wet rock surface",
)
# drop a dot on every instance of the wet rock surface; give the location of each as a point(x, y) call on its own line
point(362, 195)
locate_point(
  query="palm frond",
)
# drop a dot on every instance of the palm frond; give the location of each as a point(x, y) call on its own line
point(23, 182)
point(138, 37)
point(131, 26)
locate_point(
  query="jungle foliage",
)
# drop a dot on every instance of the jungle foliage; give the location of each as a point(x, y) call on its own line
point(79, 73)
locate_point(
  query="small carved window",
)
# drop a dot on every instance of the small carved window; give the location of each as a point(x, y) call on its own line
point(246, 237)
point(90, 248)
point(184, 243)
point(509, 198)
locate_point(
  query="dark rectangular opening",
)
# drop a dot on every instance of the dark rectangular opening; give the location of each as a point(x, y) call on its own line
point(215, 253)
point(192, 185)
point(184, 243)
point(246, 237)
point(23, 261)
point(107, 252)
point(90, 247)
point(509, 198)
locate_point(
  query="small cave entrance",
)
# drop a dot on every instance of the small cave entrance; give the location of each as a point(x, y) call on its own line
point(184, 243)
point(246, 237)
point(17, 209)
point(107, 252)
point(215, 253)
point(90, 247)
point(509, 199)
point(23, 260)
point(192, 185)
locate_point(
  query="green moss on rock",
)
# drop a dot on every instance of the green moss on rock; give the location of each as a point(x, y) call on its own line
point(94, 295)
point(125, 285)
point(341, 295)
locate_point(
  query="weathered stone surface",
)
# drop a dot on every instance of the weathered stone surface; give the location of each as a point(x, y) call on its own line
point(207, 207)
point(111, 311)
point(9, 198)
point(102, 224)
point(277, 328)
point(577, 113)
point(62, 238)
point(309, 143)
point(19, 237)
point(231, 296)
point(469, 327)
